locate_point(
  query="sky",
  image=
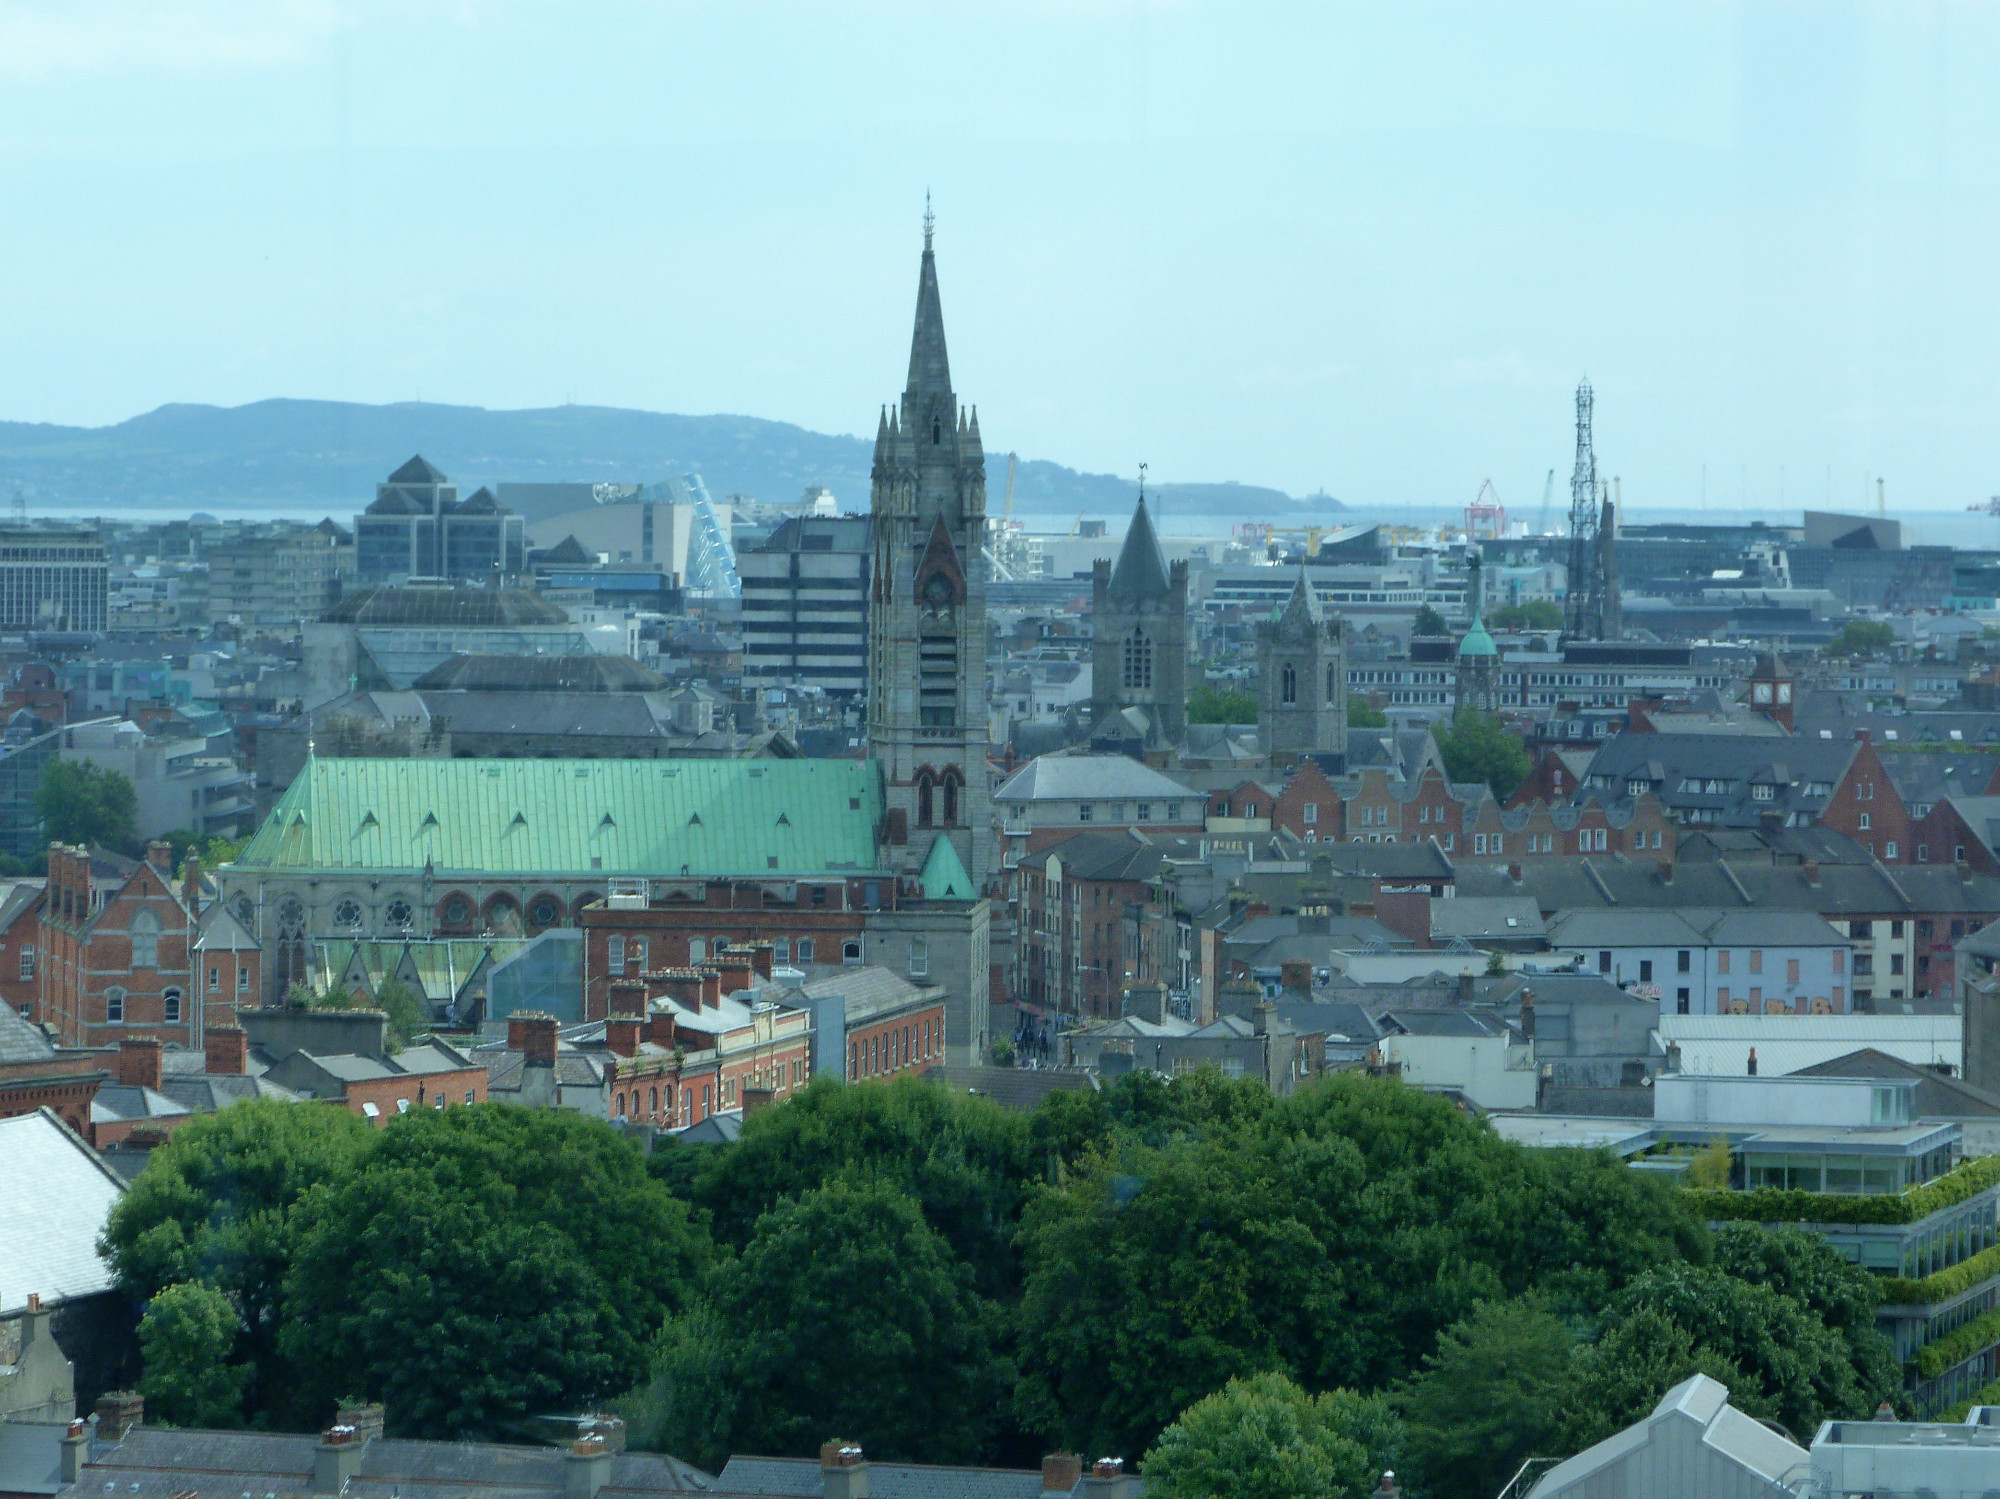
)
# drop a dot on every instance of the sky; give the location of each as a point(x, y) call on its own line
point(1366, 249)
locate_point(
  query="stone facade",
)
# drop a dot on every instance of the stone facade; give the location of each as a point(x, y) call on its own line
point(927, 720)
point(1139, 610)
point(1302, 672)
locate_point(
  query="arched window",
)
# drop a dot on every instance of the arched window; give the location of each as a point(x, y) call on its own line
point(937, 432)
point(145, 931)
point(952, 782)
point(1332, 692)
point(1138, 660)
point(170, 1003)
point(924, 788)
point(1290, 680)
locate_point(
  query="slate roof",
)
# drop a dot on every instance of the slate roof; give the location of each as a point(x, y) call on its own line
point(1836, 891)
point(418, 470)
point(1090, 777)
point(386, 607)
point(801, 1476)
point(1493, 916)
point(1140, 575)
point(160, 1460)
point(1640, 927)
point(592, 673)
point(117, 1103)
point(870, 991)
point(1673, 762)
point(1719, 1045)
point(1938, 1096)
point(762, 818)
point(1443, 1023)
point(21, 1042)
point(55, 1196)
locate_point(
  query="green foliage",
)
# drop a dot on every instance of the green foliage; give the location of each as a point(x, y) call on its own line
point(1897, 1291)
point(482, 1265)
point(1536, 614)
point(964, 1160)
point(1332, 1235)
point(216, 1204)
point(1619, 1379)
point(1958, 1345)
point(1838, 1293)
point(1265, 1438)
point(1861, 637)
point(845, 1313)
point(213, 850)
point(1490, 1397)
point(188, 1342)
point(1786, 1355)
point(1708, 1168)
point(1221, 705)
point(1985, 1395)
point(80, 803)
point(408, 1011)
point(1477, 747)
point(1429, 622)
point(1362, 714)
point(1785, 1205)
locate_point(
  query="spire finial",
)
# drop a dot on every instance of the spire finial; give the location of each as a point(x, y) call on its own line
point(1142, 483)
point(930, 221)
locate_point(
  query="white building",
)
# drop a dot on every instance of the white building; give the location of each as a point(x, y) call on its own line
point(1707, 962)
point(1720, 1045)
point(1458, 1051)
point(177, 783)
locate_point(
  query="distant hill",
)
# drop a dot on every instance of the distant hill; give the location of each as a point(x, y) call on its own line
point(327, 456)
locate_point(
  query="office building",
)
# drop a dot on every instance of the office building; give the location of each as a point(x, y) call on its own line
point(419, 528)
point(53, 580)
point(805, 605)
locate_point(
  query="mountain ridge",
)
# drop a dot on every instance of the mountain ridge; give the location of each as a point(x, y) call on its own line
point(312, 454)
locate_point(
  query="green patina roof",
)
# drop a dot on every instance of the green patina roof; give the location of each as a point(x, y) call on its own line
point(1477, 642)
point(944, 876)
point(632, 817)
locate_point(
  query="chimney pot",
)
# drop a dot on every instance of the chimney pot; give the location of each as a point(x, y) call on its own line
point(34, 1301)
point(1753, 1061)
point(160, 855)
point(118, 1412)
point(1107, 1467)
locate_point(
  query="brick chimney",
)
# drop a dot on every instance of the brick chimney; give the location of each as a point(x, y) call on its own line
point(734, 973)
point(1388, 1488)
point(1296, 975)
point(118, 1412)
point(660, 1028)
point(711, 988)
point(843, 1471)
point(1753, 1061)
point(365, 1419)
point(756, 1100)
point(160, 854)
point(1514, 871)
point(533, 1034)
point(191, 883)
point(1528, 1014)
point(139, 1062)
point(1812, 873)
point(628, 997)
point(1666, 871)
point(1060, 1472)
point(763, 957)
point(75, 1451)
point(226, 1052)
point(1862, 735)
point(1107, 1479)
point(621, 1034)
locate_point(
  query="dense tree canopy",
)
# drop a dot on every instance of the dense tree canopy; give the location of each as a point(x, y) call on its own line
point(81, 803)
point(482, 1265)
point(1428, 621)
point(1362, 714)
point(846, 1314)
point(1477, 747)
point(193, 1376)
point(1265, 1438)
point(1862, 637)
point(1221, 705)
point(1536, 614)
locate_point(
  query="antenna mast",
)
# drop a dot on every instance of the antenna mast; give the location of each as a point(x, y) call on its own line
point(1583, 609)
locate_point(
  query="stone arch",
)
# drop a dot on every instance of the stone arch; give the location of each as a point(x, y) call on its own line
point(503, 915)
point(456, 910)
point(544, 910)
point(576, 906)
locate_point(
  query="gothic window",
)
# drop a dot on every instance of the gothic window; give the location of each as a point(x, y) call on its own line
point(145, 940)
point(1290, 680)
point(1331, 693)
point(937, 432)
point(347, 914)
point(242, 910)
point(292, 965)
point(458, 910)
point(924, 787)
point(1138, 660)
point(398, 915)
point(950, 787)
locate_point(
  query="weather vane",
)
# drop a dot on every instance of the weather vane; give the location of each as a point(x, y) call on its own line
point(1142, 481)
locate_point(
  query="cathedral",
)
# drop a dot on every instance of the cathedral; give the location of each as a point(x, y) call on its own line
point(927, 724)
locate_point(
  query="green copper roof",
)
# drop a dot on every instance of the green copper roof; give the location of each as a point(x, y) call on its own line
point(1477, 642)
point(771, 818)
point(944, 876)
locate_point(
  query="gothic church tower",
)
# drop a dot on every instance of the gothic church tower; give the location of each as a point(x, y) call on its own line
point(1302, 671)
point(927, 724)
point(1139, 654)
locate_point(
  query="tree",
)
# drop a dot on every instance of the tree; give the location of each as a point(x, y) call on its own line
point(1862, 637)
point(1429, 622)
point(1620, 1379)
point(1362, 714)
point(1536, 614)
point(81, 803)
point(845, 1315)
point(408, 1011)
point(1265, 1438)
point(1489, 1398)
point(216, 1204)
point(188, 1342)
point(964, 1160)
point(1221, 705)
point(1477, 747)
point(1833, 1289)
point(482, 1264)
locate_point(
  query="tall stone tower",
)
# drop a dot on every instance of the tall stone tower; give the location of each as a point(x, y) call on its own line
point(927, 613)
point(1139, 649)
point(1302, 671)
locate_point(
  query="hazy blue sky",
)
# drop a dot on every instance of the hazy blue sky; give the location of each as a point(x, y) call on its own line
point(1366, 248)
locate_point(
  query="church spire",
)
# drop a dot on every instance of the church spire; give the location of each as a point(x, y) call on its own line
point(1141, 573)
point(930, 370)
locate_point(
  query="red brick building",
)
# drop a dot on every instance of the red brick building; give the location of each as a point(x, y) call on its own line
point(35, 1073)
point(117, 950)
point(21, 948)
